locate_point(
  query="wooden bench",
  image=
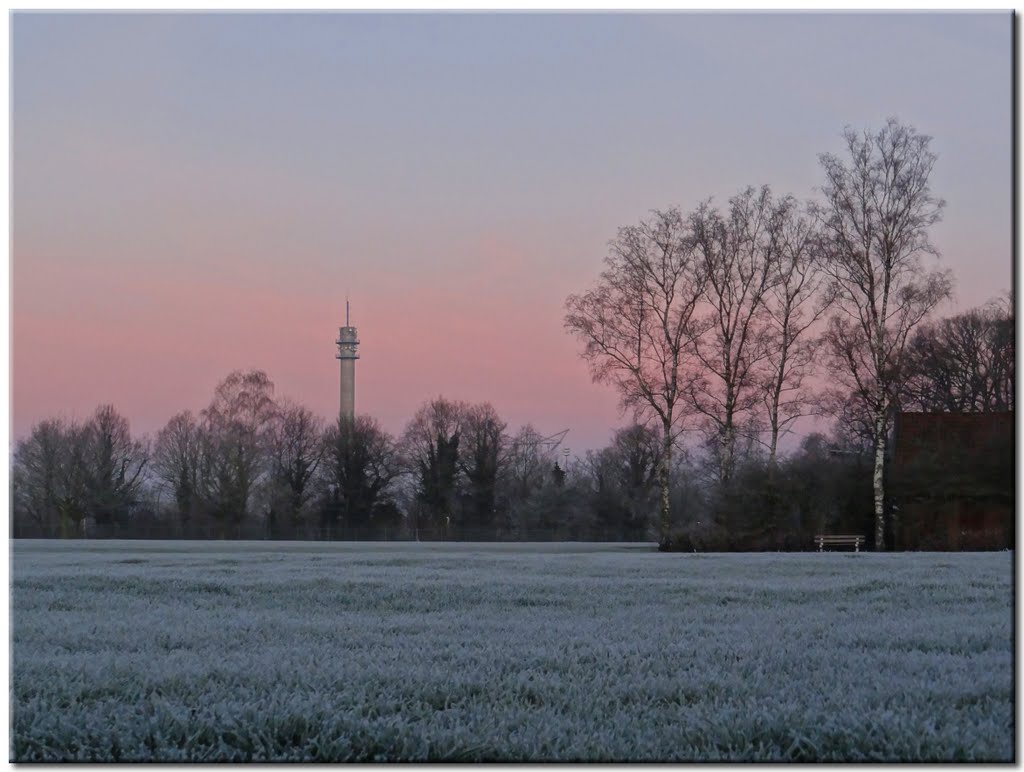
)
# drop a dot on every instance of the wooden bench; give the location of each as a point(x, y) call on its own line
point(838, 541)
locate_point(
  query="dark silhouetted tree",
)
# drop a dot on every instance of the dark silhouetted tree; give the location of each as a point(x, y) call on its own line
point(235, 451)
point(637, 327)
point(963, 364)
point(178, 465)
point(739, 250)
point(296, 447)
point(114, 465)
point(361, 465)
point(431, 444)
point(483, 448)
point(40, 476)
point(795, 302)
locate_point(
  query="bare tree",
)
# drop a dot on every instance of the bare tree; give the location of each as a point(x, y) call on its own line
point(235, 434)
point(178, 463)
point(637, 326)
point(483, 447)
point(739, 252)
point(876, 216)
point(295, 439)
point(38, 476)
point(525, 468)
point(963, 364)
point(794, 303)
point(66, 472)
point(537, 497)
point(431, 444)
point(114, 464)
point(360, 465)
point(633, 460)
point(853, 430)
point(73, 475)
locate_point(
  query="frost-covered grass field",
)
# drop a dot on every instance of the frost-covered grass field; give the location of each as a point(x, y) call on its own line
point(300, 651)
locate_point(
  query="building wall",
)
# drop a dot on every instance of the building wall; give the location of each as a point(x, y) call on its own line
point(952, 481)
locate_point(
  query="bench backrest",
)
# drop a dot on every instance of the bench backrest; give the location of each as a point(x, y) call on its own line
point(821, 540)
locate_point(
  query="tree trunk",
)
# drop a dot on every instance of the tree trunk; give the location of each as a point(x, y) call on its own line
point(665, 522)
point(773, 412)
point(728, 453)
point(773, 447)
point(771, 520)
point(879, 481)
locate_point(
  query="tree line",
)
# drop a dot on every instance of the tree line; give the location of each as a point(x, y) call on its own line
point(253, 464)
point(731, 322)
point(720, 327)
point(256, 465)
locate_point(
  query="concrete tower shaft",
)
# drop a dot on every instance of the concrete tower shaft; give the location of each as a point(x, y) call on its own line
point(348, 345)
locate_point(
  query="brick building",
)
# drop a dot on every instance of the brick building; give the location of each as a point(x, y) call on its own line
point(952, 482)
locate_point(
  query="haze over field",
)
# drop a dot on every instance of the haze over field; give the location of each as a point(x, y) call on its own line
point(196, 193)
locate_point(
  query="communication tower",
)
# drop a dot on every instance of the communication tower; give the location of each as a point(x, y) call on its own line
point(348, 344)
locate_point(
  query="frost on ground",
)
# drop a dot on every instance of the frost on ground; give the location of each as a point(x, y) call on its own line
point(274, 651)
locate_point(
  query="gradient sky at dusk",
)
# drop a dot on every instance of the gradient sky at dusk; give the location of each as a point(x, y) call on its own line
point(196, 193)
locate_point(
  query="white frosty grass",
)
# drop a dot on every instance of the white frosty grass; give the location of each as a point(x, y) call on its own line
point(278, 651)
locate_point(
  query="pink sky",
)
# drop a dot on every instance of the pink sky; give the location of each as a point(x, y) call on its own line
point(156, 339)
point(197, 193)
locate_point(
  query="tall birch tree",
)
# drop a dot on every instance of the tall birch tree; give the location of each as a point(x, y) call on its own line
point(877, 213)
point(794, 304)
